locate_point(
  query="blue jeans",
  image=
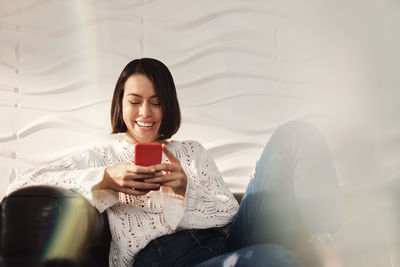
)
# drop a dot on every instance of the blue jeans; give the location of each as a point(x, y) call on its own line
point(294, 184)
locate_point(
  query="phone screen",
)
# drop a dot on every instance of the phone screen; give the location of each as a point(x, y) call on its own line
point(147, 154)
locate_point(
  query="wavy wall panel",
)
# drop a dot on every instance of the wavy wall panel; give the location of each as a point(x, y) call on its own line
point(241, 68)
point(58, 76)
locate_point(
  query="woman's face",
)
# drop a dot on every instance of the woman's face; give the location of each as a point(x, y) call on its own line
point(141, 110)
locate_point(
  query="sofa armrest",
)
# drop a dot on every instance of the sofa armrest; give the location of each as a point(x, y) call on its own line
point(42, 224)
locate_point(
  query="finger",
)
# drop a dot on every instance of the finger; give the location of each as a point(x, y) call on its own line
point(134, 192)
point(161, 180)
point(143, 185)
point(165, 167)
point(140, 169)
point(171, 184)
point(147, 186)
point(169, 154)
point(140, 176)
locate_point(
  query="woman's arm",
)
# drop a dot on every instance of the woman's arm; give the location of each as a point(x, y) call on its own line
point(128, 178)
point(207, 200)
point(79, 171)
point(96, 173)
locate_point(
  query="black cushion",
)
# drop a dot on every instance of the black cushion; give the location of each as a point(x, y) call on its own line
point(49, 226)
point(36, 220)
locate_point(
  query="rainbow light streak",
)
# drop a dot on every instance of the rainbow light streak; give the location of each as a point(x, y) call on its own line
point(70, 229)
point(69, 233)
point(88, 36)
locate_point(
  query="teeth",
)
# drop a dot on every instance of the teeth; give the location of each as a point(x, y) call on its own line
point(145, 124)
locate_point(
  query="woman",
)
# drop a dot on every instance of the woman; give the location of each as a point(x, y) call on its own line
point(171, 214)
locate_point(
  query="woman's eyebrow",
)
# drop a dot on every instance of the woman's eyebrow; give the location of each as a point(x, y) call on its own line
point(133, 94)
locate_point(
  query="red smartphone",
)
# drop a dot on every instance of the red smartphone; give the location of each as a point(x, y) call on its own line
point(147, 154)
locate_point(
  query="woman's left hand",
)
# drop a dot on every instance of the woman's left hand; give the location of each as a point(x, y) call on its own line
point(173, 174)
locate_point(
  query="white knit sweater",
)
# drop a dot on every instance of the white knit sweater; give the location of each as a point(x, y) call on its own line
point(136, 220)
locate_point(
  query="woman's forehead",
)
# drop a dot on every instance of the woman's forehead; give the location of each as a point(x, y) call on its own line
point(139, 84)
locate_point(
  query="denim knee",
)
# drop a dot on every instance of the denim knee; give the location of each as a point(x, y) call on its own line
point(299, 135)
point(299, 128)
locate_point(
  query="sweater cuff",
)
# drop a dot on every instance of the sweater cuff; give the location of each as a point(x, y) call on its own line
point(103, 199)
point(189, 204)
point(100, 199)
point(173, 211)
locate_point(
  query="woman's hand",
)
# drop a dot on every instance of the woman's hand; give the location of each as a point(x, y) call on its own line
point(129, 178)
point(173, 174)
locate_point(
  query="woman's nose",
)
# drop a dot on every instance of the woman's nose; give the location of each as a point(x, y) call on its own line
point(145, 110)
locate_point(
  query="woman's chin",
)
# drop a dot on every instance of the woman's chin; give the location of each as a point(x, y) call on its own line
point(143, 138)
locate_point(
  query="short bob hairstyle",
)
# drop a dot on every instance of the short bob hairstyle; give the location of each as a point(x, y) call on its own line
point(164, 87)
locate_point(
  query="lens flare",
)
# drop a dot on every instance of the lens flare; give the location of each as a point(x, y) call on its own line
point(69, 231)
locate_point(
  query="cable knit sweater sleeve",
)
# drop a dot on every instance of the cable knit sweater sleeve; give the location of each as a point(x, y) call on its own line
point(208, 201)
point(80, 171)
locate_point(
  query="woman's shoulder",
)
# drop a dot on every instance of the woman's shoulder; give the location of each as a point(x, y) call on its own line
point(183, 143)
point(101, 148)
point(191, 147)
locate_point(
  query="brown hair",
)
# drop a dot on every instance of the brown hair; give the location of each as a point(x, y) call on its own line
point(164, 87)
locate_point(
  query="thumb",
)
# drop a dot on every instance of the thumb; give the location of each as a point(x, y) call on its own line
point(169, 154)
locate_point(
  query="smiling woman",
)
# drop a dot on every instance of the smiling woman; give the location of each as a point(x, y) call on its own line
point(140, 81)
point(175, 213)
point(141, 110)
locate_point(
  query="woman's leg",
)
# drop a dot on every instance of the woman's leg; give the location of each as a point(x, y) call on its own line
point(294, 182)
point(184, 248)
point(265, 255)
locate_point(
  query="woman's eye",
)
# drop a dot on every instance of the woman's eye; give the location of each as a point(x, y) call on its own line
point(156, 103)
point(134, 102)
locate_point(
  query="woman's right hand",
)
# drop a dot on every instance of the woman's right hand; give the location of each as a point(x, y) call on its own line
point(129, 179)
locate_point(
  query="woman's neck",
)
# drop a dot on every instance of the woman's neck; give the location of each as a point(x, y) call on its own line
point(130, 139)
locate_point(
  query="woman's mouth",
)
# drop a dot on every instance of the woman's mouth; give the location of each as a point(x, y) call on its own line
point(145, 125)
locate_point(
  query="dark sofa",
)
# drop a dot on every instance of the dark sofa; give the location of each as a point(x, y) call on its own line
point(46, 226)
point(49, 226)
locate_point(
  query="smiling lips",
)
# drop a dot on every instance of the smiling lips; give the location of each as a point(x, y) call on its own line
point(145, 126)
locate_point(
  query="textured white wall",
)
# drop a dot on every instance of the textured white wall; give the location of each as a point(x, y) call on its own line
point(241, 69)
